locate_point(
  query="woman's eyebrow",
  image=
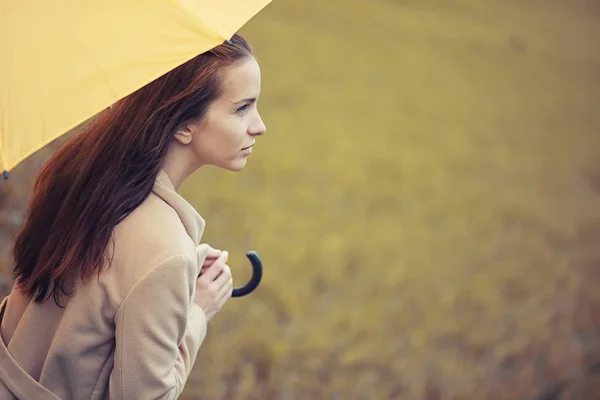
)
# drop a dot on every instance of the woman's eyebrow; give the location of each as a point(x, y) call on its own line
point(249, 100)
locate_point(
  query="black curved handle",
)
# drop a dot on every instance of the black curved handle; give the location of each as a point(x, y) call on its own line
point(257, 271)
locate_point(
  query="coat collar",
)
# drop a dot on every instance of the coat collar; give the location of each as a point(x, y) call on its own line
point(192, 221)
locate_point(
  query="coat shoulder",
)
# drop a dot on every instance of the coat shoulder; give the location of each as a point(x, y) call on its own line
point(150, 235)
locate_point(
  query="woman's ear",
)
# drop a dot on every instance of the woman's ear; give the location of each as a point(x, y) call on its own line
point(184, 134)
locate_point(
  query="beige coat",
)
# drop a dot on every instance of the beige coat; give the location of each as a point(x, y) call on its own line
point(134, 333)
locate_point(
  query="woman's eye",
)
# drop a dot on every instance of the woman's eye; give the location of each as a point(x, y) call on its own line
point(242, 109)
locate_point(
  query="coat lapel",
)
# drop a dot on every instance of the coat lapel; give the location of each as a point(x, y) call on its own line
point(192, 221)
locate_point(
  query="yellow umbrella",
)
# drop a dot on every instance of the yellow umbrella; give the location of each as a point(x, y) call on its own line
point(63, 61)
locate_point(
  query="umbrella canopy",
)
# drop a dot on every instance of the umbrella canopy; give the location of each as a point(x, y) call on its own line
point(64, 61)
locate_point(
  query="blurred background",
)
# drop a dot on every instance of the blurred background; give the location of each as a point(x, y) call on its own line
point(426, 202)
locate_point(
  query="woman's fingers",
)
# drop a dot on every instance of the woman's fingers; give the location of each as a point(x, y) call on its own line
point(210, 274)
point(226, 289)
point(211, 256)
point(224, 278)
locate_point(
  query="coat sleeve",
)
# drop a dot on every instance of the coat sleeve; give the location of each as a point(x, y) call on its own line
point(159, 330)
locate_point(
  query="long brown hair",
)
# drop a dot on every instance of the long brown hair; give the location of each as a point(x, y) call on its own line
point(98, 177)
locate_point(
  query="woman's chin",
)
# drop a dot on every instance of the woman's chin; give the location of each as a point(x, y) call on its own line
point(236, 165)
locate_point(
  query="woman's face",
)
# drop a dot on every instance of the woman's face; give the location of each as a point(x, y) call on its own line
point(227, 133)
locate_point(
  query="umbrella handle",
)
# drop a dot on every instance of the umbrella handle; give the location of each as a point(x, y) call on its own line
point(257, 271)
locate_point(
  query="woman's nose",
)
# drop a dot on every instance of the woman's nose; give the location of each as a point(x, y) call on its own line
point(258, 128)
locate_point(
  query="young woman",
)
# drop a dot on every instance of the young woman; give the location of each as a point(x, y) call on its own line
point(113, 290)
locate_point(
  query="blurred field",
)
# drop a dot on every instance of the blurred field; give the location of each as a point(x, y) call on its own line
point(426, 203)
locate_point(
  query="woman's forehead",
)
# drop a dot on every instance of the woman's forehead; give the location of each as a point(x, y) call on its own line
point(242, 80)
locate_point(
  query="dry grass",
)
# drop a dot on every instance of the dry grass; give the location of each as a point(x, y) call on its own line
point(426, 203)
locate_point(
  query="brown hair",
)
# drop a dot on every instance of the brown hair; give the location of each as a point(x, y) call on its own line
point(98, 177)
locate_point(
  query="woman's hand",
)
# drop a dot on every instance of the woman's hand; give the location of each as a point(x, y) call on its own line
point(214, 286)
point(211, 257)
